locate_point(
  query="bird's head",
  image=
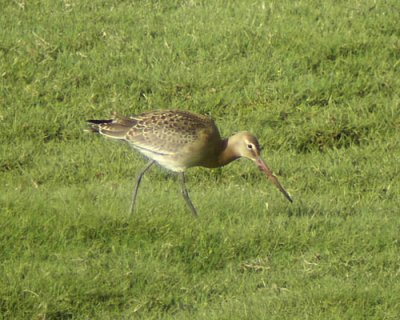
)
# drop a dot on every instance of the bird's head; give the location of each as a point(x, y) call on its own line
point(246, 145)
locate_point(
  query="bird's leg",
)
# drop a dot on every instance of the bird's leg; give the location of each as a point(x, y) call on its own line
point(137, 184)
point(186, 194)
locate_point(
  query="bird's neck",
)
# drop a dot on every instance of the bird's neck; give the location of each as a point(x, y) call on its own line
point(227, 153)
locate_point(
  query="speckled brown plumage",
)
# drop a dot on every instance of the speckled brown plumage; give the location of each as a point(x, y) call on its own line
point(168, 131)
point(176, 139)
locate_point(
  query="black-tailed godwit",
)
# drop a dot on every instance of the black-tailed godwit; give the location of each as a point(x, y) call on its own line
point(178, 140)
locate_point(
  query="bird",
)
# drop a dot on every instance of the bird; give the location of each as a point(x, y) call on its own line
point(178, 140)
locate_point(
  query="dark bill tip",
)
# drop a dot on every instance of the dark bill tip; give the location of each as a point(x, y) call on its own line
point(263, 167)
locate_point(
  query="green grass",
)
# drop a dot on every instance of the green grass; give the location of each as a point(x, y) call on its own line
point(317, 82)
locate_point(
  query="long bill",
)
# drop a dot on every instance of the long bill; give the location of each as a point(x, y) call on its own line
point(263, 167)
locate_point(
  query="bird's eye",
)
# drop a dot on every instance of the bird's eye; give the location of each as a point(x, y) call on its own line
point(249, 146)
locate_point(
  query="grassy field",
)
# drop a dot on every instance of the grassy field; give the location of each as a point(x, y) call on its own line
point(317, 81)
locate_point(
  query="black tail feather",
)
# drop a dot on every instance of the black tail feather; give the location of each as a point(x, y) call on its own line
point(99, 121)
point(95, 124)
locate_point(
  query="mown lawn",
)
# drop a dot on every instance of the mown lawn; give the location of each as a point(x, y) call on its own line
point(317, 82)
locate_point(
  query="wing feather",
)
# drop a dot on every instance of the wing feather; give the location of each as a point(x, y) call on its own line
point(166, 131)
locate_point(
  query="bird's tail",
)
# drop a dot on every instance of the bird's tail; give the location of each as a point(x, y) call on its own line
point(115, 128)
point(96, 124)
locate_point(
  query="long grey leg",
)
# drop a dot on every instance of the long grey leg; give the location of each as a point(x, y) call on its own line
point(137, 184)
point(186, 194)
